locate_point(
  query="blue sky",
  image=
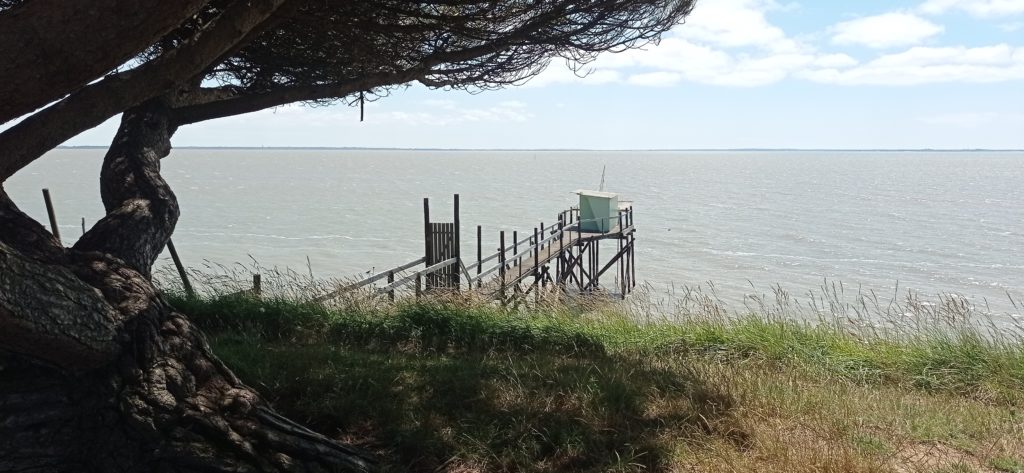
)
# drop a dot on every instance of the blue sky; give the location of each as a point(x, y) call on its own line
point(738, 74)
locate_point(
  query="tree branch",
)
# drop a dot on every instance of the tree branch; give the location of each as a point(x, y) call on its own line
point(240, 104)
point(48, 48)
point(90, 106)
point(49, 314)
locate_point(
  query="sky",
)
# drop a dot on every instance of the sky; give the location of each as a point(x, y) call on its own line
point(815, 74)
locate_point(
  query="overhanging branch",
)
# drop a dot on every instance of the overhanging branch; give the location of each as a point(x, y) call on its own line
point(49, 48)
point(90, 106)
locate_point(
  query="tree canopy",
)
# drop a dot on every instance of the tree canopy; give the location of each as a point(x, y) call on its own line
point(225, 57)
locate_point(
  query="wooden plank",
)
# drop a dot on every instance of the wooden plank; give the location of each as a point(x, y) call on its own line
point(426, 271)
point(371, 279)
point(533, 262)
point(465, 272)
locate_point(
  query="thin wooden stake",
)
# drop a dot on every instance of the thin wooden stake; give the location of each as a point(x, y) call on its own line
point(257, 285)
point(53, 216)
point(181, 269)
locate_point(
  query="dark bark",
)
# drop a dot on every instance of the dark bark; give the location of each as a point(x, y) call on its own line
point(98, 373)
point(93, 104)
point(141, 208)
point(49, 48)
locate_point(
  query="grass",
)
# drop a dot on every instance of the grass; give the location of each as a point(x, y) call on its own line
point(462, 385)
point(1008, 464)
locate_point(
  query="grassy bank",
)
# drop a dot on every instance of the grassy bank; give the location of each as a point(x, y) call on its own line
point(465, 386)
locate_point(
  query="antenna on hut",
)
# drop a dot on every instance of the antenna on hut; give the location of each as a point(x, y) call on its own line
point(603, 169)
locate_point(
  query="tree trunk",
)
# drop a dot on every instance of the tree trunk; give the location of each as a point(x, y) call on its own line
point(98, 373)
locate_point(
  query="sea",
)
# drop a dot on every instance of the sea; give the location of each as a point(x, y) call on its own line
point(742, 222)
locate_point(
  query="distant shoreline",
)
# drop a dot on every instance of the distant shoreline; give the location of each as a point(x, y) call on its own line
point(652, 150)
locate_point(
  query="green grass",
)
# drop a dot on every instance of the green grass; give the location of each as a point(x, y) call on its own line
point(959, 361)
point(1007, 464)
point(464, 386)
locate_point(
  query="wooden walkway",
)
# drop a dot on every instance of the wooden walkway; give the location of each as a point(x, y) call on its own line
point(536, 257)
point(559, 254)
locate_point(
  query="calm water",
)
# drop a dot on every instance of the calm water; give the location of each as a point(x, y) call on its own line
point(934, 221)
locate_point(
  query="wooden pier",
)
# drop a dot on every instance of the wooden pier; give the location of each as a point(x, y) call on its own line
point(562, 256)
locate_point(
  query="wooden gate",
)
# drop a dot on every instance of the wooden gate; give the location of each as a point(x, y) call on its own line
point(442, 244)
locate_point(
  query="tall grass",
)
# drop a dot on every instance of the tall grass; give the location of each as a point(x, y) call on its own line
point(460, 383)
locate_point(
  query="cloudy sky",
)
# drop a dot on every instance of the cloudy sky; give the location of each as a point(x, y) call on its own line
point(739, 74)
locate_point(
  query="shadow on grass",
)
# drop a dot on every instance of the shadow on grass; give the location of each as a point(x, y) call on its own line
point(489, 411)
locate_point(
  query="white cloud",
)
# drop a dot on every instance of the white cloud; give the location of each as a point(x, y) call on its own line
point(885, 30)
point(732, 43)
point(924, 65)
point(724, 42)
point(978, 8)
point(736, 23)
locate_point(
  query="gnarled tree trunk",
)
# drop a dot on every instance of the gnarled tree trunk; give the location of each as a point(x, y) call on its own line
point(98, 372)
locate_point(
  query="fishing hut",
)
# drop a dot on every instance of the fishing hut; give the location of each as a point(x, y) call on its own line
point(563, 256)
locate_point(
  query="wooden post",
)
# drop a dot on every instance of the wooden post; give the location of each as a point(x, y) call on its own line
point(501, 267)
point(582, 250)
point(621, 263)
point(53, 216)
point(428, 253)
point(515, 251)
point(83, 225)
point(479, 253)
point(561, 247)
point(181, 269)
point(419, 285)
point(257, 285)
point(633, 260)
point(457, 246)
point(542, 235)
point(391, 292)
point(538, 282)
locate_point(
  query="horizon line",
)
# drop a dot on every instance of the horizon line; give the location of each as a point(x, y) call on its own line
point(372, 148)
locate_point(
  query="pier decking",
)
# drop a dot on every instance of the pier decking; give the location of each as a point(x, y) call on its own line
point(560, 255)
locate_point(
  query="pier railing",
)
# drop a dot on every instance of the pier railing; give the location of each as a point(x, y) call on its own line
point(573, 251)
